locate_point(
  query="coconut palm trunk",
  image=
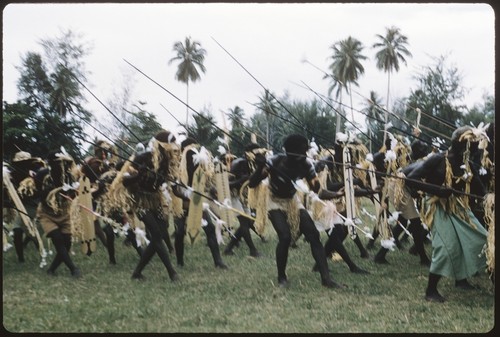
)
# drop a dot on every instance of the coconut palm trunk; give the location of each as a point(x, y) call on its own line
point(352, 109)
point(337, 126)
point(386, 112)
point(187, 102)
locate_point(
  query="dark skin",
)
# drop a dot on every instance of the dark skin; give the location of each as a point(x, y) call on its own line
point(146, 178)
point(335, 189)
point(339, 233)
point(282, 171)
point(149, 181)
point(285, 170)
point(180, 223)
point(433, 172)
point(238, 175)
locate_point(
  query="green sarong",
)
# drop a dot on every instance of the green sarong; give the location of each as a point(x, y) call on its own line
point(457, 247)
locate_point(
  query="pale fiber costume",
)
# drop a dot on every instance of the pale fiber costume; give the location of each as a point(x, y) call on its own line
point(402, 199)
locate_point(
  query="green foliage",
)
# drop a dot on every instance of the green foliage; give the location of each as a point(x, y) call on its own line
point(34, 85)
point(481, 112)
point(374, 121)
point(391, 49)
point(269, 106)
point(205, 131)
point(190, 56)
point(50, 88)
point(243, 299)
point(25, 129)
point(345, 70)
point(312, 119)
point(438, 95)
point(346, 66)
point(18, 130)
point(239, 135)
point(143, 125)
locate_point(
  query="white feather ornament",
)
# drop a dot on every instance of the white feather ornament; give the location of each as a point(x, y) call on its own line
point(301, 186)
point(202, 157)
point(342, 137)
point(390, 156)
point(388, 244)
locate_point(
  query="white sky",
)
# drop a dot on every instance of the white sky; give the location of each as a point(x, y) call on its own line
point(269, 40)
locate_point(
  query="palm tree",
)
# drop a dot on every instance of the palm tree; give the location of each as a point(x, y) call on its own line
point(237, 117)
point(239, 130)
point(392, 49)
point(374, 119)
point(191, 57)
point(346, 68)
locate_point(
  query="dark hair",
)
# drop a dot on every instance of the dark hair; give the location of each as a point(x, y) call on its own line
point(186, 142)
point(296, 143)
point(52, 156)
point(458, 146)
point(419, 149)
point(251, 146)
point(455, 136)
point(165, 136)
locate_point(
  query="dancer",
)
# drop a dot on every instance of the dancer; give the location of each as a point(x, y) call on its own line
point(140, 192)
point(457, 236)
point(56, 185)
point(288, 216)
point(194, 159)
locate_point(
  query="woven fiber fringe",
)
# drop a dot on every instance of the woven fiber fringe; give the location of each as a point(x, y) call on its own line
point(26, 187)
point(291, 208)
point(257, 200)
point(195, 212)
point(176, 206)
point(75, 219)
point(324, 212)
point(183, 173)
point(322, 177)
point(57, 203)
point(489, 217)
point(399, 185)
point(9, 214)
point(293, 215)
point(362, 174)
point(118, 197)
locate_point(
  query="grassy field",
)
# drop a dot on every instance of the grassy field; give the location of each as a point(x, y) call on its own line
point(244, 298)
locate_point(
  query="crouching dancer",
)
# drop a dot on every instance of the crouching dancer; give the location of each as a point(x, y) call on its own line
point(288, 216)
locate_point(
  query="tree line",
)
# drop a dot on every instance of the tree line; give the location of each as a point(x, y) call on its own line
point(51, 112)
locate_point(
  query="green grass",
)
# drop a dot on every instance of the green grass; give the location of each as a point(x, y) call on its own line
point(244, 298)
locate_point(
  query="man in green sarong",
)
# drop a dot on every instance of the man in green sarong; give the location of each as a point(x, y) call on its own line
point(458, 238)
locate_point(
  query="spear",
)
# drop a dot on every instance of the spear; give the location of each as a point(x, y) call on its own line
point(104, 105)
point(444, 122)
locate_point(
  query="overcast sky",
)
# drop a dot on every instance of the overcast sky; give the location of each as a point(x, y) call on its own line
point(269, 40)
